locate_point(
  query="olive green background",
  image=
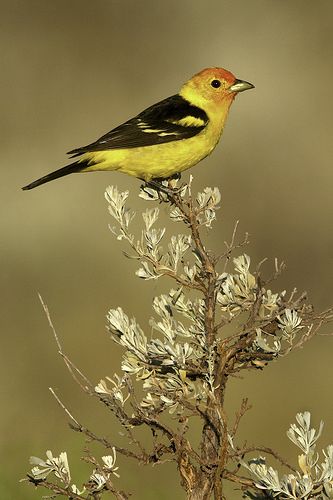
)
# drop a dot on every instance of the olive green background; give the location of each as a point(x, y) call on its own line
point(72, 70)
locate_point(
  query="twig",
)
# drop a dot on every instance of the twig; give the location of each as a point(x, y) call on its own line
point(239, 415)
point(265, 449)
point(61, 404)
point(120, 495)
point(106, 443)
point(80, 428)
point(70, 365)
point(66, 492)
point(46, 310)
point(244, 481)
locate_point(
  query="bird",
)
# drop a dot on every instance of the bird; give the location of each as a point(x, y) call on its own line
point(165, 139)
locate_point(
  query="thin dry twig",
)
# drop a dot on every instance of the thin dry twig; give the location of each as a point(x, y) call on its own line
point(265, 449)
point(70, 365)
point(245, 407)
point(61, 404)
point(108, 484)
point(56, 488)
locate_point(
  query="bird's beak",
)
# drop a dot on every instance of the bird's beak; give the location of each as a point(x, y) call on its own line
point(240, 86)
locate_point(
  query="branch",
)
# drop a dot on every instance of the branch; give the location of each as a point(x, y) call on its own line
point(265, 449)
point(239, 415)
point(66, 492)
point(73, 370)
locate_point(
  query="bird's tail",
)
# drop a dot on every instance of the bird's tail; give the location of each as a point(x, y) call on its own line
point(69, 169)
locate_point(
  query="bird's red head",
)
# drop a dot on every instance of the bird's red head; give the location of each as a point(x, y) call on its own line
point(213, 87)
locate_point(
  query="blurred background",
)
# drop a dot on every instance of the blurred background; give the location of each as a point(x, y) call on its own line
point(71, 71)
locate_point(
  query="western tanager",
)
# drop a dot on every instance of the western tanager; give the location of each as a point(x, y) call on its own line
point(166, 138)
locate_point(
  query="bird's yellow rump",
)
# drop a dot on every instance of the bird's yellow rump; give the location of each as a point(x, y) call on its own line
point(166, 138)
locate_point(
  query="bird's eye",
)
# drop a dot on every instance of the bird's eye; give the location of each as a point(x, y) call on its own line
point(215, 83)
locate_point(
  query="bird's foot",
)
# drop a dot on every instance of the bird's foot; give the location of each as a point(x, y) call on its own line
point(163, 187)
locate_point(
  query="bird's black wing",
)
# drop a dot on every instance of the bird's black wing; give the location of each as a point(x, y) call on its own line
point(169, 120)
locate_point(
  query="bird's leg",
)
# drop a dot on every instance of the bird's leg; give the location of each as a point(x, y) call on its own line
point(175, 177)
point(170, 189)
point(157, 184)
point(173, 189)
